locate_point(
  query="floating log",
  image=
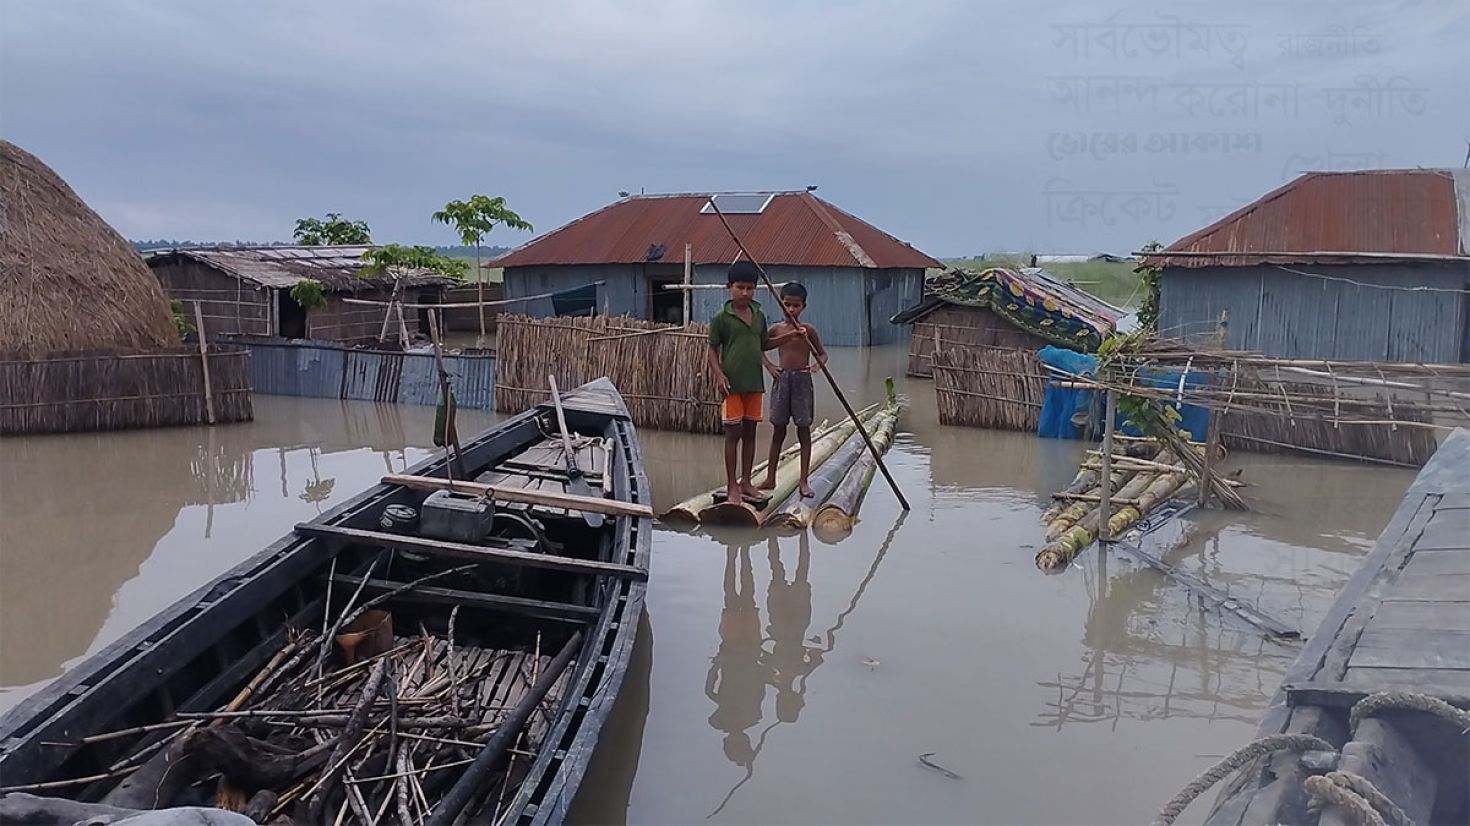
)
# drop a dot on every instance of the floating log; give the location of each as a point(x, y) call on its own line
point(740, 513)
point(686, 513)
point(796, 514)
point(833, 521)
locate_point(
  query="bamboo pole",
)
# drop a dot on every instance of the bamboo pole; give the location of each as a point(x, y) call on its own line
point(204, 363)
point(1105, 477)
point(787, 475)
point(834, 520)
point(451, 434)
point(796, 514)
point(688, 280)
point(836, 390)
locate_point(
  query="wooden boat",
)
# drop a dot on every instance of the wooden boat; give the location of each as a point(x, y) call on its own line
point(253, 667)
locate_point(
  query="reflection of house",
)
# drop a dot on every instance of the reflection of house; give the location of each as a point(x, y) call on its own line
point(248, 290)
point(858, 275)
point(1010, 309)
point(1352, 266)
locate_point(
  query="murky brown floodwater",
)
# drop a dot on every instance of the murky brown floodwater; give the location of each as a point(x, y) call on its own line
point(779, 681)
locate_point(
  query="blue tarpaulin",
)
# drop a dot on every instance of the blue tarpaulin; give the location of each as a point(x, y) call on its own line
point(1064, 410)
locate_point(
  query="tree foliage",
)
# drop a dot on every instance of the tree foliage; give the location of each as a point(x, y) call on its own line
point(478, 217)
point(1150, 281)
point(334, 230)
point(395, 259)
point(309, 294)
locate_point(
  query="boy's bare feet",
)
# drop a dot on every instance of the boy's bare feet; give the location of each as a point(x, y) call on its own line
point(768, 482)
point(806, 490)
point(750, 492)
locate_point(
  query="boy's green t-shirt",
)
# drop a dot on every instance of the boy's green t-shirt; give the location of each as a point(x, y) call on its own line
point(740, 347)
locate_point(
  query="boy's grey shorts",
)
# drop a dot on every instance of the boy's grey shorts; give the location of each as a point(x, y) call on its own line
point(793, 400)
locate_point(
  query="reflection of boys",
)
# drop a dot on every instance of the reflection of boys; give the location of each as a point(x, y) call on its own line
point(737, 677)
point(789, 606)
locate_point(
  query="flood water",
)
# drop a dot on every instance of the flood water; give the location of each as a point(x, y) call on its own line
point(777, 680)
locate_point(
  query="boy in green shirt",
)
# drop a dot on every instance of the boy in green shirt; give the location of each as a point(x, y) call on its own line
point(738, 336)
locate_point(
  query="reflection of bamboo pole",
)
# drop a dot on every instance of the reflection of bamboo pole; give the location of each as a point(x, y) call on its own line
point(1105, 476)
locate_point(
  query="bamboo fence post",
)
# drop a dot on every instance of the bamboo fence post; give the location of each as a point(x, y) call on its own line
point(1105, 475)
point(688, 280)
point(204, 363)
point(836, 390)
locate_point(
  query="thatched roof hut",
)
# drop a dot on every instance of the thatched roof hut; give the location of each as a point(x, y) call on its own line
point(68, 281)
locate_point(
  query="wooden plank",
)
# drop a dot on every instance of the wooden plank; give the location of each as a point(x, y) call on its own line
point(1452, 686)
point(1445, 616)
point(590, 504)
point(475, 599)
point(479, 553)
point(1430, 588)
point(1383, 756)
point(1447, 529)
point(1454, 501)
point(1404, 648)
point(1437, 563)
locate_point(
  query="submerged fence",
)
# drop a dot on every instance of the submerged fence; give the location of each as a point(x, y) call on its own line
point(989, 387)
point(85, 391)
point(1005, 389)
point(660, 369)
point(328, 370)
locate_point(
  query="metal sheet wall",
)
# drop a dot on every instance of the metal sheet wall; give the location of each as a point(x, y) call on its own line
point(1387, 315)
point(328, 370)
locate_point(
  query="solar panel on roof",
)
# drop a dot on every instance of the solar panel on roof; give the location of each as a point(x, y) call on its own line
point(732, 204)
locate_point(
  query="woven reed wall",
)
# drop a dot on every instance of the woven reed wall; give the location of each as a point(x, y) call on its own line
point(663, 376)
point(989, 387)
point(73, 392)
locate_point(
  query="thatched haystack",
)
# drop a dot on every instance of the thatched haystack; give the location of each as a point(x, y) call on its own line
point(68, 281)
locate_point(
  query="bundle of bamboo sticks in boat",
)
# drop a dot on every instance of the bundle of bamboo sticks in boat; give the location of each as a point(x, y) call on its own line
point(354, 724)
point(841, 470)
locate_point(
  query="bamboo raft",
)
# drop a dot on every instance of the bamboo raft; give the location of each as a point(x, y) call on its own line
point(841, 471)
point(373, 667)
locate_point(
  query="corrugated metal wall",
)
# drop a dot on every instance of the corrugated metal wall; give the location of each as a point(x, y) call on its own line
point(1293, 316)
point(850, 306)
point(327, 370)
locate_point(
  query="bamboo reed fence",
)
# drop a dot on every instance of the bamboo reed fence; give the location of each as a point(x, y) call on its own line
point(1271, 425)
point(660, 369)
point(85, 391)
point(989, 387)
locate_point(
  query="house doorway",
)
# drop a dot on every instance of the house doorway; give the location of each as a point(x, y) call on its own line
point(290, 316)
point(664, 305)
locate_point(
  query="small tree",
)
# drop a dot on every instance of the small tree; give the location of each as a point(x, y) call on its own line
point(333, 231)
point(396, 261)
point(473, 220)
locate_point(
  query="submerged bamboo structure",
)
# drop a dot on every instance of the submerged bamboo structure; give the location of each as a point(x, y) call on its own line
point(87, 337)
point(660, 369)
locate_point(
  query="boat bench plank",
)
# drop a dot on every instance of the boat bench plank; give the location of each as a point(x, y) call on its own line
point(1430, 587)
point(1438, 563)
point(1411, 614)
point(1360, 682)
point(1411, 648)
point(588, 504)
point(1447, 529)
point(476, 552)
point(474, 599)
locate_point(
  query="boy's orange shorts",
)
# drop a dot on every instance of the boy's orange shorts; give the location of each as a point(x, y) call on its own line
point(742, 407)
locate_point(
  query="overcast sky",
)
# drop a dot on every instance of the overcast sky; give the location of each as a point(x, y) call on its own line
point(961, 127)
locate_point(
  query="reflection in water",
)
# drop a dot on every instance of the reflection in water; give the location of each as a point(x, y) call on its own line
point(791, 660)
point(736, 681)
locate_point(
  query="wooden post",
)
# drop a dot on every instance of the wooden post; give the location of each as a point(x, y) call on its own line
point(451, 435)
point(1105, 475)
point(1212, 427)
point(688, 280)
point(204, 363)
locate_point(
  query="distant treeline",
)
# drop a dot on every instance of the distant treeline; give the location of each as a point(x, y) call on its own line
point(161, 244)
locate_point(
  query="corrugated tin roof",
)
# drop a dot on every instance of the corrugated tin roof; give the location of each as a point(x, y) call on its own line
point(1338, 217)
point(796, 228)
point(336, 267)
